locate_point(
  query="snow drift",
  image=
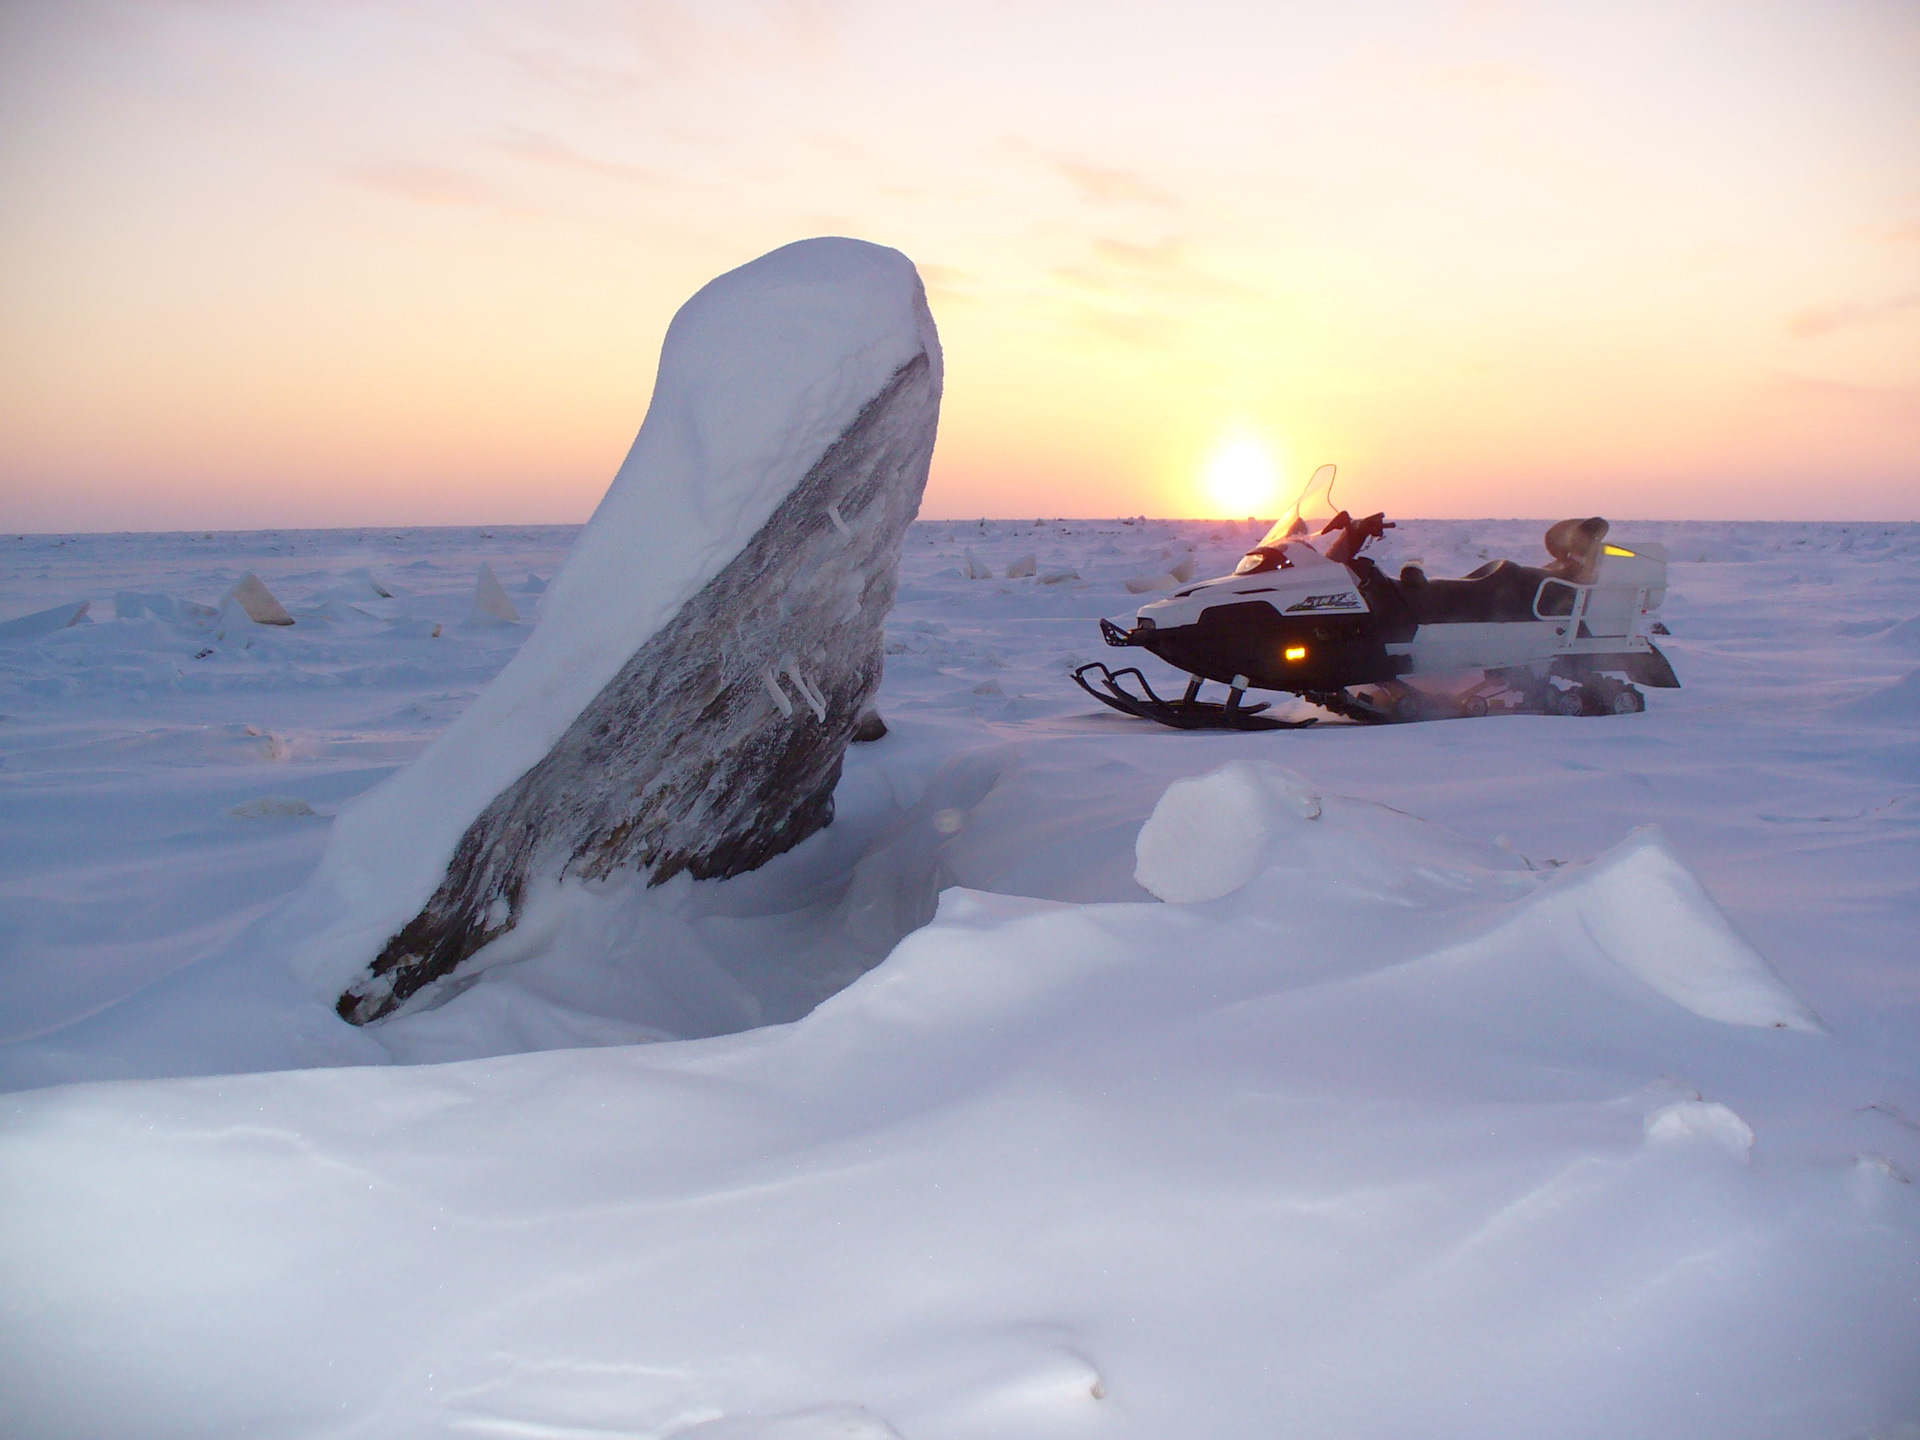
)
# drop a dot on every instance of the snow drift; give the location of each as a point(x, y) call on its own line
point(1387, 1157)
point(703, 657)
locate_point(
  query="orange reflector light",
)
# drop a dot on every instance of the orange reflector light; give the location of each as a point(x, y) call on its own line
point(1618, 550)
point(1296, 652)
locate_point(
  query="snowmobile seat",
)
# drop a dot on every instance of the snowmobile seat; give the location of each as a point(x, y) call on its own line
point(1501, 590)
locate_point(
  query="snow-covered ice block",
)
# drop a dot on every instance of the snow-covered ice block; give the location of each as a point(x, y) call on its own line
point(1023, 567)
point(490, 601)
point(259, 603)
point(1146, 584)
point(973, 569)
point(1210, 834)
point(702, 659)
point(1647, 913)
point(1691, 1122)
point(45, 622)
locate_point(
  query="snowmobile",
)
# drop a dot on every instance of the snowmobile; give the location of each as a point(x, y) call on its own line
point(1305, 613)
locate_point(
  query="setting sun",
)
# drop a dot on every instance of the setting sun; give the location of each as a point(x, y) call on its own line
point(1242, 478)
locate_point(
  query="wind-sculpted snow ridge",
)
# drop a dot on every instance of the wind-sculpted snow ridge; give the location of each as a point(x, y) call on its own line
point(728, 596)
point(1254, 825)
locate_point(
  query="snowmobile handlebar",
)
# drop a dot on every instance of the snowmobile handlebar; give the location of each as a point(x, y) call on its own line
point(1355, 534)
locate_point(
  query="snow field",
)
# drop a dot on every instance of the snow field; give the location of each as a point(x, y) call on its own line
point(1467, 1108)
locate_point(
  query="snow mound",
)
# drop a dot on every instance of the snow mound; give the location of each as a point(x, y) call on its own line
point(1692, 1122)
point(138, 605)
point(1214, 836)
point(1211, 834)
point(1643, 910)
point(1898, 702)
point(1904, 636)
point(827, 1422)
point(359, 585)
point(271, 807)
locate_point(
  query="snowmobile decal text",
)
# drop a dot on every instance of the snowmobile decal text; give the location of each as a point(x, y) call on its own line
point(1345, 600)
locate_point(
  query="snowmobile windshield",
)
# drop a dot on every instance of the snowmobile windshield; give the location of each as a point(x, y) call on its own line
point(1311, 510)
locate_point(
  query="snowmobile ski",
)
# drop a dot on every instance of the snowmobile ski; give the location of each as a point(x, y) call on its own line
point(1187, 713)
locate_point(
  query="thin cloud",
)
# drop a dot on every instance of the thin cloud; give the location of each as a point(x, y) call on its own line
point(1825, 319)
point(1163, 255)
point(643, 44)
point(945, 282)
point(1108, 185)
point(1126, 266)
point(1897, 403)
point(1127, 327)
point(541, 149)
point(424, 184)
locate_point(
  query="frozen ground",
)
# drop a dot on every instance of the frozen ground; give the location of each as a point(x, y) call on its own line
point(1431, 1128)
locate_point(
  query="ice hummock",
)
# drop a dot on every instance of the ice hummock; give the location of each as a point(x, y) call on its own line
point(46, 622)
point(257, 602)
point(490, 599)
point(760, 510)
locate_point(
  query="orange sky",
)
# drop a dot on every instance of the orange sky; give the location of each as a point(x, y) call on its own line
point(339, 262)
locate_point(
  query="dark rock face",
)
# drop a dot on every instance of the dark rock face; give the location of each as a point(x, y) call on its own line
point(718, 744)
